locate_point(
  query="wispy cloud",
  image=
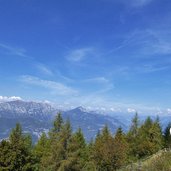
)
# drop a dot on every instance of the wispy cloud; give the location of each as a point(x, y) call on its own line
point(141, 69)
point(54, 87)
point(139, 3)
point(135, 3)
point(162, 48)
point(12, 98)
point(160, 42)
point(13, 51)
point(132, 3)
point(150, 68)
point(146, 43)
point(31, 60)
point(63, 77)
point(44, 69)
point(130, 110)
point(78, 55)
point(155, 42)
point(97, 80)
point(101, 85)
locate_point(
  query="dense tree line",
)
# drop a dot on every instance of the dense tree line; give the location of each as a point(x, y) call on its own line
point(63, 150)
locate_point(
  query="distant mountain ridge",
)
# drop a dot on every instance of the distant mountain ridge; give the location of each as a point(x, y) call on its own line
point(26, 109)
point(37, 117)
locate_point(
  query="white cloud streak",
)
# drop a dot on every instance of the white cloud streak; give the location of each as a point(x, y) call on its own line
point(134, 3)
point(12, 98)
point(102, 80)
point(54, 87)
point(130, 110)
point(78, 55)
point(153, 42)
point(13, 51)
point(139, 3)
point(147, 42)
point(44, 69)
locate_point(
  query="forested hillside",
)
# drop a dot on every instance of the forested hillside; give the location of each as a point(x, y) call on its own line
point(64, 150)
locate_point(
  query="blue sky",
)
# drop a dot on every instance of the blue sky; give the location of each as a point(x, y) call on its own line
point(108, 54)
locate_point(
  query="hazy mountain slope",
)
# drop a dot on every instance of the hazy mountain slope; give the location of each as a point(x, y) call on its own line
point(38, 117)
point(91, 122)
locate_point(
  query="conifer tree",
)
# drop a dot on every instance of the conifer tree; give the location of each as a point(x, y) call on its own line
point(21, 154)
point(144, 143)
point(41, 145)
point(63, 150)
point(103, 151)
point(167, 136)
point(57, 126)
point(5, 155)
point(76, 153)
point(150, 137)
point(59, 138)
point(120, 149)
point(134, 126)
point(157, 136)
point(42, 151)
point(90, 165)
point(132, 138)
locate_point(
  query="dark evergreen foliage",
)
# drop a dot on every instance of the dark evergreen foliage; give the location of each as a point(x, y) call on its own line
point(167, 136)
point(63, 150)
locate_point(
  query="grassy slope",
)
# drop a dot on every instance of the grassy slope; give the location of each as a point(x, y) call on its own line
point(160, 161)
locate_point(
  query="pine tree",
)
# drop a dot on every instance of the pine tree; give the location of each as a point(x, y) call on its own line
point(120, 149)
point(167, 136)
point(59, 139)
point(90, 165)
point(132, 138)
point(5, 155)
point(57, 126)
point(76, 153)
point(21, 154)
point(42, 151)
point(103, 151)
point(150, 137)
point(41, 146)
point(157, 136)
point(65, 134)
point(144, 144)
point(134, 126)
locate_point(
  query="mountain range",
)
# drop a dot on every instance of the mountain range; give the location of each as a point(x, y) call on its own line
point(37, 117)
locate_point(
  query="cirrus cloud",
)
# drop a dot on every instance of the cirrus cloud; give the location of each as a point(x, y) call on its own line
point(54, 87)
point(78, 55)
